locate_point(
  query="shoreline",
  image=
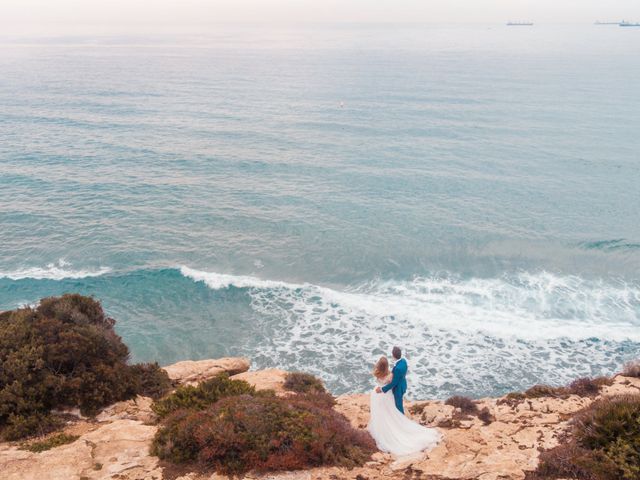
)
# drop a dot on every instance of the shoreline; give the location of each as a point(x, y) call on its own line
point(504, 444)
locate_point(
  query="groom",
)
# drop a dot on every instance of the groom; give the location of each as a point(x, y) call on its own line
point(399, 382)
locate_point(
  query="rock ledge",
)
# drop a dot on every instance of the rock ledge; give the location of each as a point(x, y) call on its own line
point(115, 445)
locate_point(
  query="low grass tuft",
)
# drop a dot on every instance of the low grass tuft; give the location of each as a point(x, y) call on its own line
point(49, 443)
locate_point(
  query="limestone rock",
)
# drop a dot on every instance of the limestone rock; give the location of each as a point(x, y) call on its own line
point(119, 449)
point(355, 408)
point(430, 414)
point(137, 409)
point(268, 379)
point(189, 372)
point(623, 385)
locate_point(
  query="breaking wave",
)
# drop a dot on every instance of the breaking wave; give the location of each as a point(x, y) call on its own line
point(459, 333)
point(59, 270)
point(525, 306)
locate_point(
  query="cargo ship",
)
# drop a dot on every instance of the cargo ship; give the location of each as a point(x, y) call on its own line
point(519, 24)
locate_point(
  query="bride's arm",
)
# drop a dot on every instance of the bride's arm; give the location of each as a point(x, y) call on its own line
point(392, 383)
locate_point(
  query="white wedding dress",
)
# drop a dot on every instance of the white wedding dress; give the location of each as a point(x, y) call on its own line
point(395, 433)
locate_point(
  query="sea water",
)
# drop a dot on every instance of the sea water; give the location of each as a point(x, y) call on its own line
point(311, 196)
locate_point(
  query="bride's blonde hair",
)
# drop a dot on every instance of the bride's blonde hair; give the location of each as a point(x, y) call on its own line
point(381, 370)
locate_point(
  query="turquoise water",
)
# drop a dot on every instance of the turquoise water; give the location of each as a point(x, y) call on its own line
point(309, 197)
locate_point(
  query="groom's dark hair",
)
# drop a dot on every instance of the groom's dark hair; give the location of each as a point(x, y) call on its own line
point(397, 353)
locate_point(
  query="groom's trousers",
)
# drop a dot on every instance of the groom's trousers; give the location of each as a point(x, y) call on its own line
point(397, 397)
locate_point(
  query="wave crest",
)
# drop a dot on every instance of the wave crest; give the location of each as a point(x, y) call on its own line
point(540, 305)
point(467, 336)
point(59, 270)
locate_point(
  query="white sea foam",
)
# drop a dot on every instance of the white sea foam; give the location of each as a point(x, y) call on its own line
point(526, 306)
point(53, 271)
point(217, 281)
point(464, 334)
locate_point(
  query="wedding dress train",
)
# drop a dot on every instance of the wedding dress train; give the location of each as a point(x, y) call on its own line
point(395, 433)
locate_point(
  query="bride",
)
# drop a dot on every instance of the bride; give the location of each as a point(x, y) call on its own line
point(392, 431)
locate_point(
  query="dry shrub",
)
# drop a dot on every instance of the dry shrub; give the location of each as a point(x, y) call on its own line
point(570, 461)
point(63, 354)
point(632, 369)
point(588, 387)
point(583, 387)
point(512, 399)
point(485, 416)
point(262, 433)
point(465, 404)
point(540, 391)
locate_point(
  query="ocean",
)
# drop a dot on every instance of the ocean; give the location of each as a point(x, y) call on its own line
point(310, 196)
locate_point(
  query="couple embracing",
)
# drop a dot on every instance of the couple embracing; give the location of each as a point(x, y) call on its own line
point(390, 428)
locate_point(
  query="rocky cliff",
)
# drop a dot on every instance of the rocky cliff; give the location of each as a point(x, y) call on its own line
point(501, 443)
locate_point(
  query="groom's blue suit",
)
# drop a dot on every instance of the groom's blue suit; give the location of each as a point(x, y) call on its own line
point(398, 383)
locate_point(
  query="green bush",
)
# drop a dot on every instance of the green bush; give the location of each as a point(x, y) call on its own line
point(199, 397)
point(151, 380)
point(175, 441)
point(613, 427)
point(303, 383)
point(311, 386)
point(62, 354)
point(29, 424)
point(263, 433)
point(603, 444)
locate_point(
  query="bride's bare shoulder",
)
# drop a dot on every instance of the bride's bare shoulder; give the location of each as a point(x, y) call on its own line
point(384, 380)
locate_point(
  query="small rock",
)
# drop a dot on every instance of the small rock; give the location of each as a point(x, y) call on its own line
point(197, 371)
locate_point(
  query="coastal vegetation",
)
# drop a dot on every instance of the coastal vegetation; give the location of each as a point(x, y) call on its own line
point(632, 369)
point(465, 404)
point(582, 387)
point(311, 386)
point(603, 443)
point(303, 383)
point(227, 426)
point(196, 398)
point(64, 354)
point(60, 355)
point(50, 442)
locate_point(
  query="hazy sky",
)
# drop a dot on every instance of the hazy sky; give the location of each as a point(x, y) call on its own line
point(70, 16)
